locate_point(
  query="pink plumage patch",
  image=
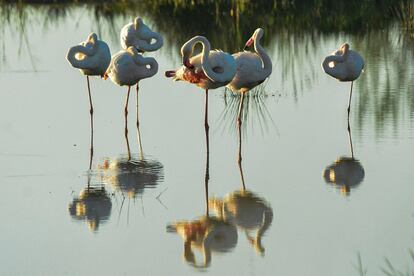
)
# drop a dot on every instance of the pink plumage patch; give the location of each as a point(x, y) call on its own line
point(194, 77)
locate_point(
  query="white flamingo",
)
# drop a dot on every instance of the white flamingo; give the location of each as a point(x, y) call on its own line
point(252, 67)
point(208, 70)
point(128, 67)
point(92, 58)
point(141, 36)
point(344, 65)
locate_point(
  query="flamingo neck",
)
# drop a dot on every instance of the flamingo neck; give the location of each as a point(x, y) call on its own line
point(266, 61)
point(205, 64)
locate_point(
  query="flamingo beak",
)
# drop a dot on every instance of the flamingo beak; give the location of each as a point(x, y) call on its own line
point(248, 44)
point(170, 74)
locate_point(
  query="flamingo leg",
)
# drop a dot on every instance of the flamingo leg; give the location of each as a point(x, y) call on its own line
point(206, 113)
point(207, 175)
point(239, 123)
point(349, 101)
point(126, 121)
point(350, 140)
point(91, 119)
point(137, 105)
point(138, 131)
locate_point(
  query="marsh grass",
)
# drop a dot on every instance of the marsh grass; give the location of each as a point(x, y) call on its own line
point(390, 270)
point(255, 115)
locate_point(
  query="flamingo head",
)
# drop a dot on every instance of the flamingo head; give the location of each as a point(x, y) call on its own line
point(91, 41)
point(188, 64)
point(186, 53)
point(257, 35)
point(137, 22)
point(344, 48)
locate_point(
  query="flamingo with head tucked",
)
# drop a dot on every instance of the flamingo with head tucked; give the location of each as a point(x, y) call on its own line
point(92, 58)
point(344, 65)
point(139, 35)
point(128, 67)
point(210, 69)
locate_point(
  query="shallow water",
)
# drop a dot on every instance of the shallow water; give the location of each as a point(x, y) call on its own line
point(52, 224)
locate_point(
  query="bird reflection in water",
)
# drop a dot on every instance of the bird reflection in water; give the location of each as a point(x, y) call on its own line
point(93, 203)
point(131, 175)
point(345, 173)
point(207, 234)
point(245, 210)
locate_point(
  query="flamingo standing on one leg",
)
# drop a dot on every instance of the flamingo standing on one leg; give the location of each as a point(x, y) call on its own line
point(252, 69)
point(92, 58)
point(139, 35)
point(344, 65)
point(207, 70)
point(128, 68)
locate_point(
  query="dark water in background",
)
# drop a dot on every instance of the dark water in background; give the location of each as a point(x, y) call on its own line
point(292, 220)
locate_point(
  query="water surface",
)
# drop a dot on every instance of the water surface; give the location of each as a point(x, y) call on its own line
point(316, 210)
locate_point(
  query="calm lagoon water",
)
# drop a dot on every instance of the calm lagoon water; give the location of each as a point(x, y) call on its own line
point(293, 220)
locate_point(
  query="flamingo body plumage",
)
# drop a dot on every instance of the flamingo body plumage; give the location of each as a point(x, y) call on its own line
point(208, 70)
point(128, 67)
point(219, 62)
point(92, 56)
point(139, 35)
point(344, 64)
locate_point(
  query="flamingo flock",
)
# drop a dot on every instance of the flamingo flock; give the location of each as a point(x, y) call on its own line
point(211, 69)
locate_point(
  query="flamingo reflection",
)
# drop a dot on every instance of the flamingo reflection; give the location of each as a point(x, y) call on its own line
point(93, 203)
point(131, 175)
point(206, 234)
point(346, 172)
point(246, 210)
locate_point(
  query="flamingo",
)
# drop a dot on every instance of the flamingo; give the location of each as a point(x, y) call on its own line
point(139, 35)
point(252, 69)
point(92, 58)
point(344, 65)
point(207, 70)
point(128, 67)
